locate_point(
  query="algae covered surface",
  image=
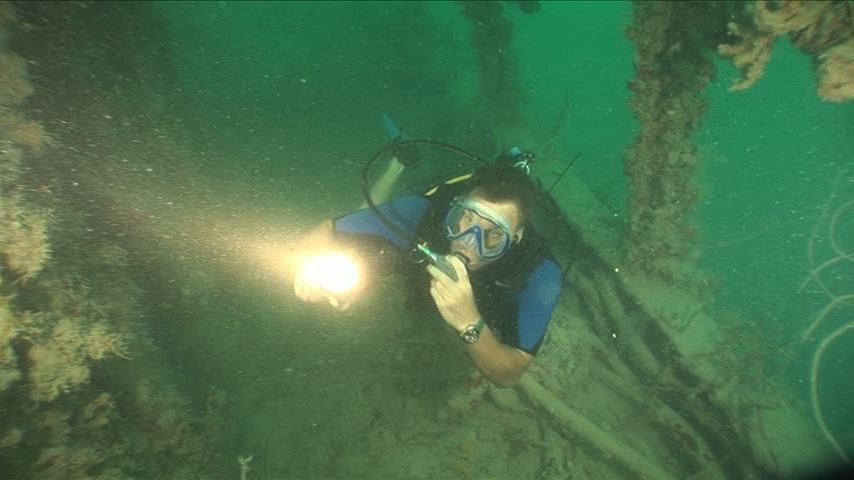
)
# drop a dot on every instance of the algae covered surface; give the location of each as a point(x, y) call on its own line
point(159, 161)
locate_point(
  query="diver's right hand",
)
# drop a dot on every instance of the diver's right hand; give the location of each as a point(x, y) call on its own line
point(308, 290)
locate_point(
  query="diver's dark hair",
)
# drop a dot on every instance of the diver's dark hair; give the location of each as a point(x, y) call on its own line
point(502, 183)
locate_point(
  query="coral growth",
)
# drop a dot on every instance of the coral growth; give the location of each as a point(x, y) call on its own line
point(31, 135)
point(23, 228)
point(837, 72)
point(24, 241)
point(60, 363)
point(750, 55)
point(15, 86)
point(814, 396)
point(66, 307)
point(11, 438)
point(167, 418)
point(824, 30)
point(64, 462)
point(9, 371)
point(843, 256)
point(23, 237)
point(672, 68)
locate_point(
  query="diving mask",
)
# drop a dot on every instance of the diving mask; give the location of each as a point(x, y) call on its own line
point(478, 228)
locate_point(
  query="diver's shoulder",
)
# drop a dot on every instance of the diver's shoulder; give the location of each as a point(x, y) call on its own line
point(548, 271)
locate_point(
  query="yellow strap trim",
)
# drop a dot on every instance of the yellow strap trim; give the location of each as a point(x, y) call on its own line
point(459, 179)
point(452, 181)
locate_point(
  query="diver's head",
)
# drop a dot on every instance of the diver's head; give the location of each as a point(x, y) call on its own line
point(490, 218)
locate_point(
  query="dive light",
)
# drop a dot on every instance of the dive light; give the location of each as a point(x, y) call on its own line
point(438, 261)
point(335, 273)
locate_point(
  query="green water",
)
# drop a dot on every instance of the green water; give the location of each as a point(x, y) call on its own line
point(247, 123)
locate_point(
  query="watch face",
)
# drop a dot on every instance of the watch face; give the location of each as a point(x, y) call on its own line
point(469, 335)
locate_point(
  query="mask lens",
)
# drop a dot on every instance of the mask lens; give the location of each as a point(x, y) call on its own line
point(494, 238)
point(465, 223)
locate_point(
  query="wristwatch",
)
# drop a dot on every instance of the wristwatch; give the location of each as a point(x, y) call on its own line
point(472, 333)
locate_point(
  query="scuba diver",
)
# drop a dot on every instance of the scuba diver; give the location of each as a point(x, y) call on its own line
point(496, 288)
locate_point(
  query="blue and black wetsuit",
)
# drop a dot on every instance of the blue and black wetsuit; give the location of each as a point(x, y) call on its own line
point(516, 294)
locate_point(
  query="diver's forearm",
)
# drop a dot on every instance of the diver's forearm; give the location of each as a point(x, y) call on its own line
point(501, 364)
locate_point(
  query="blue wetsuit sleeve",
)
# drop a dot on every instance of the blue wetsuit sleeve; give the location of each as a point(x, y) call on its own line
point(405, 213)
point(536, 303)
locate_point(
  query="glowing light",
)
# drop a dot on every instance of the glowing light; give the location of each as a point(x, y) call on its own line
point(336, 273)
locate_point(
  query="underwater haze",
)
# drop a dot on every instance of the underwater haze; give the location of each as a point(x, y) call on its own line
point(161, 162)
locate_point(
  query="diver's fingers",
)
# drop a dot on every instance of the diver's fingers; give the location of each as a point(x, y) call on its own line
point(448, 286)
point(338, 303)
point(435, 272)
point(444, 292)
point(439, 276)
point(307, 290)
point(315, 293)
point(437, 296)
